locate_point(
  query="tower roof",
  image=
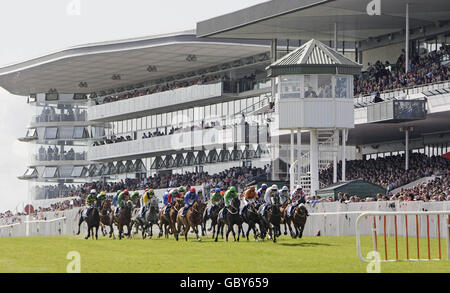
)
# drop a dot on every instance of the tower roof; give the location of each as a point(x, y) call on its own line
point(314, 57)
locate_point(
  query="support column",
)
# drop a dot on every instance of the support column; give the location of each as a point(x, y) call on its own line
point(344, 143)
point(335, 148)
point(292, 159)
point(314, 162)
point(299, 155)
point(335, 36)
point(407, 39)
point(406, 148)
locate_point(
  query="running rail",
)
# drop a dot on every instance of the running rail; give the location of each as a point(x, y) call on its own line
point(405, 214)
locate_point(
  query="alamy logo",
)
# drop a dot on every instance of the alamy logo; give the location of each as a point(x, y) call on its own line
point(374, 265)
point(374, 8)
point(74, 266)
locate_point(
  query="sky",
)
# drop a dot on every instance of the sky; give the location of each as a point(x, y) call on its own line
point(33, 28)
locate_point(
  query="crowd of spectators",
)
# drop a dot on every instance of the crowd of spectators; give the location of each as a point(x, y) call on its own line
point(437, 189)
point(53, 154)
point(66, 113)
point(424, 69)
point(389, 172)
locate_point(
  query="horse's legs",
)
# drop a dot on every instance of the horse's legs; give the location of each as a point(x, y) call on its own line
point(187, 228)
point(239, 231)
point(96, 232)
point(196, 233)
point(89, 233)
point(218, 231)
point(79, 224)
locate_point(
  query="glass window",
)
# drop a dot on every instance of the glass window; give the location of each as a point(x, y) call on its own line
point(231, 111)
point(153, 121)
point(325, 86)
point(237, 106)
point(310, 86)
point(32, 133)
point(78, 132)
point(219, 110)
point(51, 97)
point(213, 110)
point(290, 87)
point(77, 171)
point(51, 132)
point(50, 172)
point(225, 109)
point(207, 112)
point(29, 172)
point(164, 119)
point(243, 104)
point(341, 87)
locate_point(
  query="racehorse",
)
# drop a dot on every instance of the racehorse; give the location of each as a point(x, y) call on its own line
point(149, 219)
point(232, 218)
point(93, 221)
point(283, 221)
point(251, 218)
point(192, 219)
point(106, 218)
point(272, 220)
point(213, 218)
point(124, 219)
point(298, 218)
point(166, 222)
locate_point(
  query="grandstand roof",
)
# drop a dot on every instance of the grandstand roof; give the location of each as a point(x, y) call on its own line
point(306, 19)
point(96, 64)
point(314, 57)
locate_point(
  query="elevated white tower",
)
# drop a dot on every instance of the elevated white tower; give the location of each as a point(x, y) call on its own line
point(314, 92)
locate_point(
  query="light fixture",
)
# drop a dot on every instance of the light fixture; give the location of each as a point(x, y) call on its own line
point(191, 58)
point(152, 68)
point(116, 77)
point(83, 84)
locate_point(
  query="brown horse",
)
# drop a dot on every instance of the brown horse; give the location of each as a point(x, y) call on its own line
point(106, 218)
point(166, 222)
point(124, 219)
point(272, 220)
point(193, 218)
point(92, 220)
point(283, 221)
point(298, 218)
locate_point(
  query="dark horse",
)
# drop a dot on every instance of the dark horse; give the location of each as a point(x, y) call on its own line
point(92, 220)
point(149, 219)
point(232, 218)
point(213, 218)
point(298, 218)
point(169, 221)
point(192, 219)
point(272, 220)
point(106, 218)
point(252, 218)
point(124, 219)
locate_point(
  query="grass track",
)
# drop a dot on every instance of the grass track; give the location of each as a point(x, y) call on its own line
point(307, 255)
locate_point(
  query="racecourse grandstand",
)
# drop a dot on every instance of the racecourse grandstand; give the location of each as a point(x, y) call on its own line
point(202, 107)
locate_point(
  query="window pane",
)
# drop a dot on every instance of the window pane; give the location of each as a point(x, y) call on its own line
point(325, 86)
point(78, 132)
point(77, 170)
point(341, 88)
point(50, 172)
point(290, 87)
point(310, 86)
point(51, 132)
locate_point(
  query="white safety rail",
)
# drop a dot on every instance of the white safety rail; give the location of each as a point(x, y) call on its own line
point(435, 224)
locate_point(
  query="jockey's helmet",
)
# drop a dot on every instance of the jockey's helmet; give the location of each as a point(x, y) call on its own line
point(285, 188)
point(151, 192)
point(103, 193)
point(218, 190)
point(125, 191)
point(299, 187)
point(93, 191)
point(264, 186)
point(274, 187)
point(192, 190)
point(181, 189)
point(233, 189)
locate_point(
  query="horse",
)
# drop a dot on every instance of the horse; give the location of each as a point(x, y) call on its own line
point(272, 220)
point(192, 219)
point(106, 218)
point(252, 218)
point(124, 219)
point(213, 217)
point(298, 218)
point(166, 222)
point(92, 220)
point(149, 219)
point(232, 218)
point(283, 221)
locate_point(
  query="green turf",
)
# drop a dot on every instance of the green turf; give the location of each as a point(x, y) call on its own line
point(310, 254)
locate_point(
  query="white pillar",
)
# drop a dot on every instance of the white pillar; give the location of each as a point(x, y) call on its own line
point(299, 155)
point(292, 175)
point(406, 148)
point(407, 39)
point(314, 162)
point(335, 148)
point(344, 142)
point(335, 36)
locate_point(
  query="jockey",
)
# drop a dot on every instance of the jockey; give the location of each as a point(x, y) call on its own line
point(114, 201)
point(270, 193)
point(229, 195)
point(90, 201)
point(297, 197)
point(100, 198)
point(262, 191)
point(135, 197)
point(121, 199)
point(250, 196)
point(146, 199)
point(216, 199)
point(189, 199)
point(284, 195)
point(181, 192)
point(169, 200)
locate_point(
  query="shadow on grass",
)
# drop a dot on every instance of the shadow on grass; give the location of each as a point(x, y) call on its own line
point(305, 244)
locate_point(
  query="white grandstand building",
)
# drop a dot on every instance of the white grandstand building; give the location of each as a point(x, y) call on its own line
point(203, 100)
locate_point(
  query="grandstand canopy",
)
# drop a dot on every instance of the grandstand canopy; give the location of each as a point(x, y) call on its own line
point(306, 19)
point(358, 187)
point(130, 59)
